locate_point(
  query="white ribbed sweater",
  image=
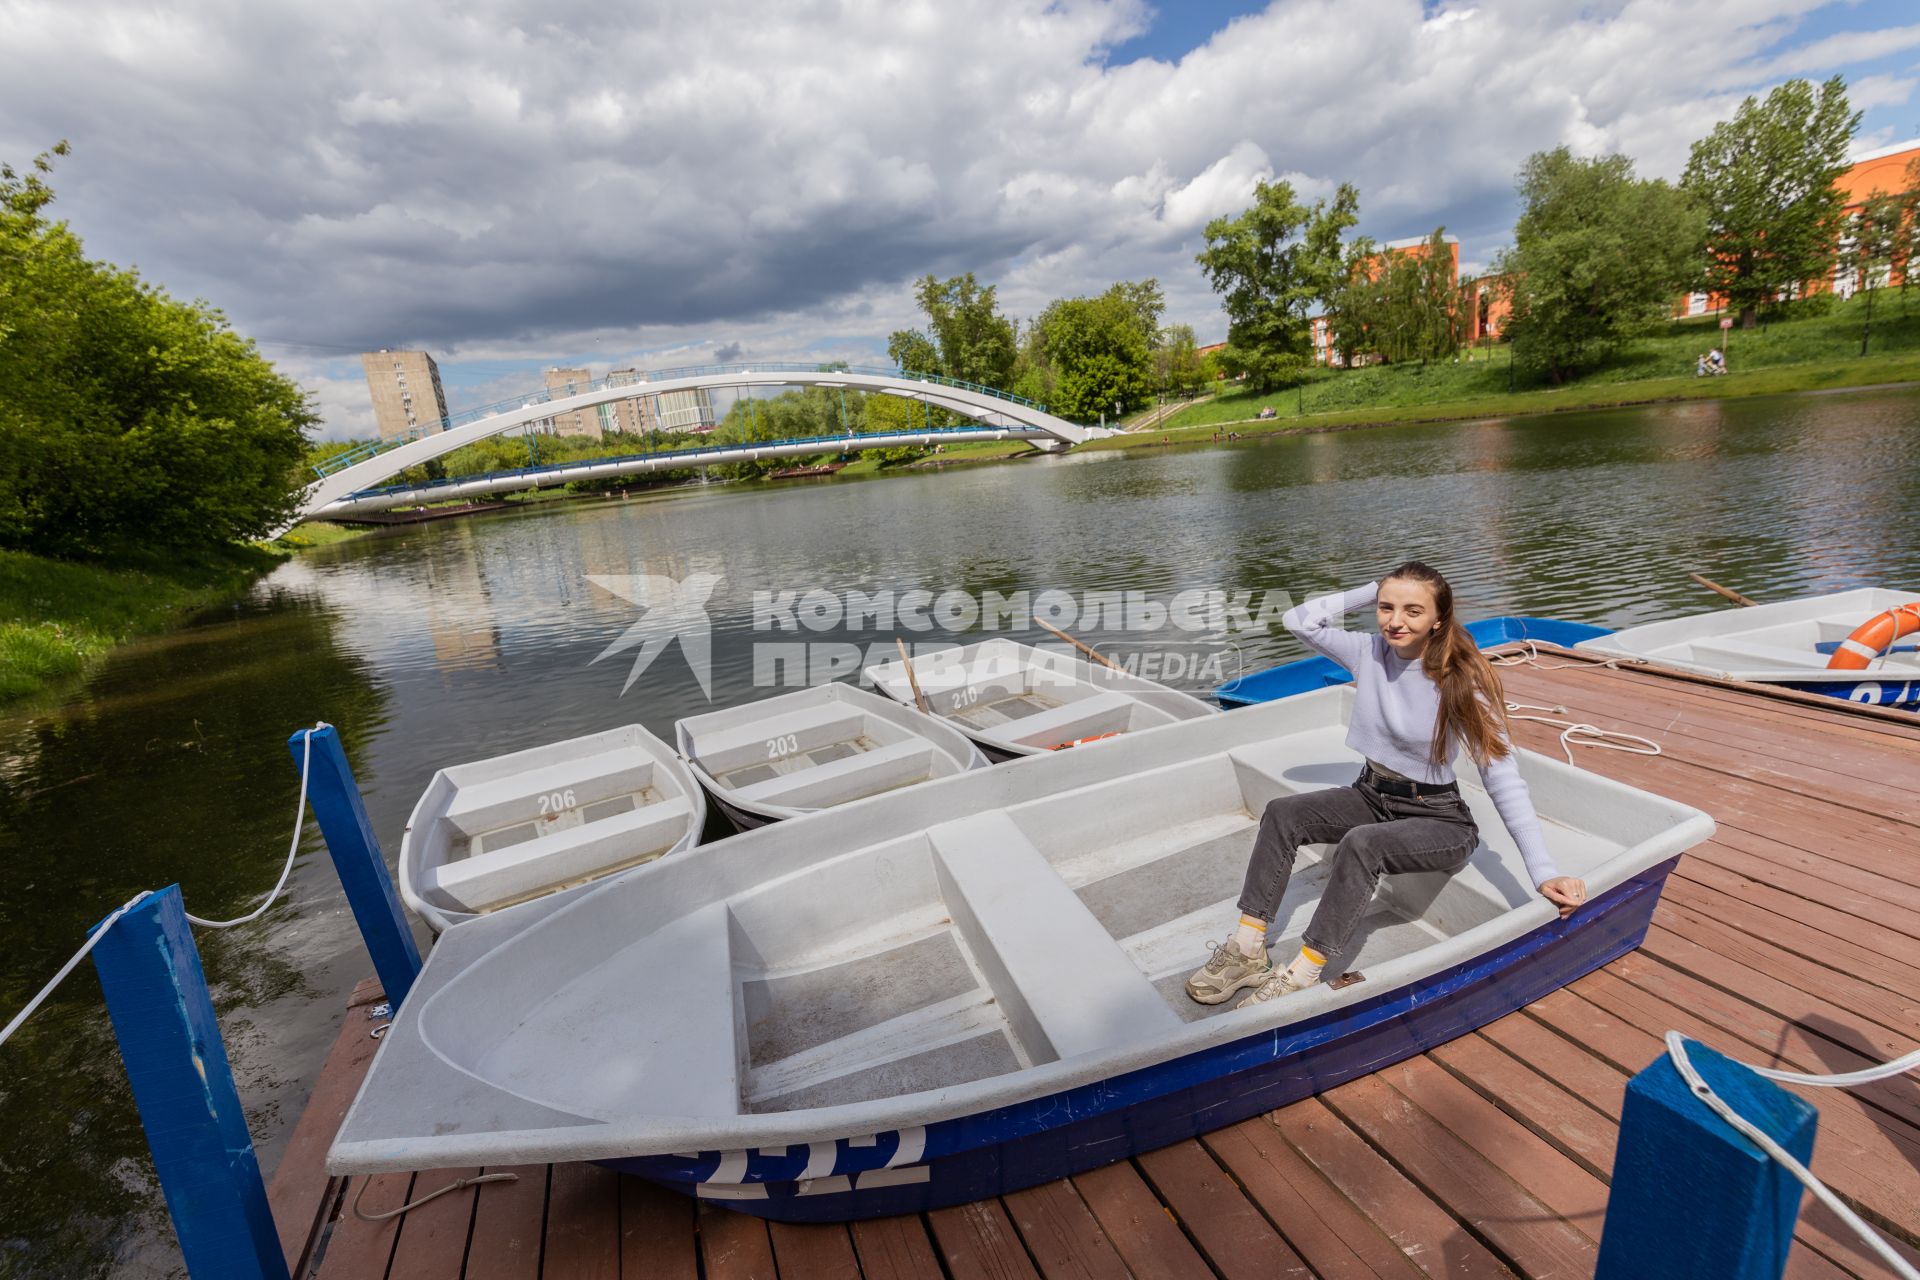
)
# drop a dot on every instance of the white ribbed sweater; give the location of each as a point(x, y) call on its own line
point(1394, 712)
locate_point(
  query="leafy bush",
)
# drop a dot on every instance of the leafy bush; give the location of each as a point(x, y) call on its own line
point(129, 422)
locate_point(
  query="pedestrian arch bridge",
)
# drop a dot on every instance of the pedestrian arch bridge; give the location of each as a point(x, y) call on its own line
point(348, 484)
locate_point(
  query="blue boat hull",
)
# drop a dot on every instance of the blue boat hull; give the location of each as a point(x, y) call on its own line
point(974, 1157)
point(1902, 695)
point(1308, 674)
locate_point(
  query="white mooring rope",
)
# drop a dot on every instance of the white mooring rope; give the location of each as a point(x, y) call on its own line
point(1578, 733)
point(1573, 733)
point(456, 1185)
point(293, 849)
point(1677, 1050)
point(1528, 655)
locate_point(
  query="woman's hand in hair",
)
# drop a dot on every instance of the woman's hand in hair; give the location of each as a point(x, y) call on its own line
point(1566, 893)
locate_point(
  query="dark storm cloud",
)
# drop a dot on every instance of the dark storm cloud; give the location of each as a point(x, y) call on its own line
point(497, 176)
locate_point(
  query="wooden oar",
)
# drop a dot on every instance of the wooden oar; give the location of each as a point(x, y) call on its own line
point(1099, 658)
point(919, 698)
point(1734, 596)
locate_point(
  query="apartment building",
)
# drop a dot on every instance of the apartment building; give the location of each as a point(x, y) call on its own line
point(406, 390)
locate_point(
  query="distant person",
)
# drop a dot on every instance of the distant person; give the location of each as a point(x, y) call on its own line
point(1424, 691)
point(1717, 361)
point(1700, 366)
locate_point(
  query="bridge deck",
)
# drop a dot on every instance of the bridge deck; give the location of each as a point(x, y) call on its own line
point(1792, 938)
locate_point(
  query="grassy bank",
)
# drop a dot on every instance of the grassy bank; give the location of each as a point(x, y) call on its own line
point(319, 533)
point(57, 617)
point(1817, 352)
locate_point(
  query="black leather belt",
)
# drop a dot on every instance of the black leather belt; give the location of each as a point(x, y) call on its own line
point(1407, 790)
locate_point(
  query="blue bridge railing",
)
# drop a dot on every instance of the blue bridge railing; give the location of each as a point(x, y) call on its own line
point(826, 444)
point(640, 383)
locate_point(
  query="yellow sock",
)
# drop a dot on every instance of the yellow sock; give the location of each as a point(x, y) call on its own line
point(1306, 967)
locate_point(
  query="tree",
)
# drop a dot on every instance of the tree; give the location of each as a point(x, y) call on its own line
point(1906, 239)
point(1177, 369)
point(1146, 301)
point(1598, 256)
point(1766, 180)
point(1398, 304)
point(1874, 244)
point(130, 423)
point(912, 351)
point(1090, 354)
point(1270, 266)
point(966, 337)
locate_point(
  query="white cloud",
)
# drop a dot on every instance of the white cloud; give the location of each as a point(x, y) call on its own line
point(1223, 187)
point(508, 180)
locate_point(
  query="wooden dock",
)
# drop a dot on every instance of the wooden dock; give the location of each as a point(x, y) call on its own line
point(1791, 939)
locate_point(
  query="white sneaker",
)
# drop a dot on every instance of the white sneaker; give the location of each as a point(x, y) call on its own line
point(1227, 971)
point(1279, 983)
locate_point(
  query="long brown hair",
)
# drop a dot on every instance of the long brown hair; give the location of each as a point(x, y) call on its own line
point(1473, 706)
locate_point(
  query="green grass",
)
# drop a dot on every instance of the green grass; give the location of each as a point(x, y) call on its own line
point(1826, 375)
point(56, 617)
point(319, 533)
point(1795, 355)
point(977, 451)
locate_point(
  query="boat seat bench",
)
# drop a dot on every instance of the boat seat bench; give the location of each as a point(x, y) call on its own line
point(491, 879)
point(850, 778)
point(1746, 655)
point(479, 807)
point(1101, 713)
point(1066, 985)
point(724, 750)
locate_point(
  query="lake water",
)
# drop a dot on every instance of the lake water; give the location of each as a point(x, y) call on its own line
point(454, 641)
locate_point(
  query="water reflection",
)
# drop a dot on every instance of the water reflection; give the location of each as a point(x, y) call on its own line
point(459, 640)
point(170, 767)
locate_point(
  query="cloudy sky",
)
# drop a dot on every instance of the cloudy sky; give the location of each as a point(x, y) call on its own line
point(511, 184)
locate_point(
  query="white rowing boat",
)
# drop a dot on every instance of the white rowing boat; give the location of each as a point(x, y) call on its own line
point(545, 822)
point(974, 985)
point(1016, 699)
point(1792, 643)
point(815, 748)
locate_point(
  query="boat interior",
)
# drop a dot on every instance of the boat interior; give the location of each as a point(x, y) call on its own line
point(501, 831)
point(1020, 700)
point(1789, 636)
point(1013, 937)
point(1806, 643)
point(818, 747)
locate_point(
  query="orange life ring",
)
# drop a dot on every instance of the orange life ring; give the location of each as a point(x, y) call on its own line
point(1874, 637)
point(1092, 737)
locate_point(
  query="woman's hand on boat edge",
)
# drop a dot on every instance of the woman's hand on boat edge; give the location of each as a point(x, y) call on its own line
point(1566, 893)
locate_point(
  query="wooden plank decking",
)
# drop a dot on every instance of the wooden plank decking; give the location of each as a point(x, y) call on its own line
point(1793, 938)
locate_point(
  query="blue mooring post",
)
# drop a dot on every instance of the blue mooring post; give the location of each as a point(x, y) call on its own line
point(1693, 1197)
point(335, 798)
point(177, 1064)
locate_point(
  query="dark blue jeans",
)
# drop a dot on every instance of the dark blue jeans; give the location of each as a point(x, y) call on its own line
point(1376, 835)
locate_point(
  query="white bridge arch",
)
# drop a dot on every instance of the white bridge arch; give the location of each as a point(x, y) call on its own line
point(997, 415)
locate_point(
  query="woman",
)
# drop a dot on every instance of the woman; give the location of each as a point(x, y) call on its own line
point(1423, 691)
